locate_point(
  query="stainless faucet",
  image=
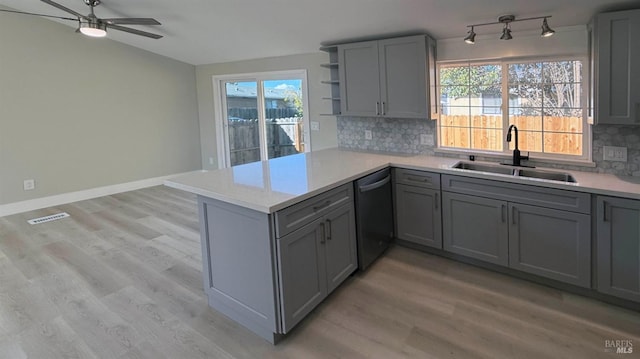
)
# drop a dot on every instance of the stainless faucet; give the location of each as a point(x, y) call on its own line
point(516, 151)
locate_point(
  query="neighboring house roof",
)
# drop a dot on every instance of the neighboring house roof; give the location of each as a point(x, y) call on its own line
point(250, 92)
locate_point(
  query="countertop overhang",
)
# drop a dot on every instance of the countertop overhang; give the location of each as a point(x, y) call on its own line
point(269, 186)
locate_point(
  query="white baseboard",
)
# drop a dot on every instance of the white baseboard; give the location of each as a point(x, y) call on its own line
point(56, 200)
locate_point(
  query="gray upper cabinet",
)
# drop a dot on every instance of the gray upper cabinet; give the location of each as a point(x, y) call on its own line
point(389, 77)
point(359, 79)
point(618, 242)
point(550, 243)
point(616, 56)
point(418, 207)
point(476, 227)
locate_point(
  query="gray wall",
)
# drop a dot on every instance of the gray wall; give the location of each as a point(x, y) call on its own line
point(325, 138)
point(79, 113)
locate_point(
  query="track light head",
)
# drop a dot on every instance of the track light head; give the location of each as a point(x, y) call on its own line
point(546, 30)
point(506, 33)
point(471, 38)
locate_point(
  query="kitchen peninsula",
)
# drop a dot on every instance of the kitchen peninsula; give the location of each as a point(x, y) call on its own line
point(250, 215)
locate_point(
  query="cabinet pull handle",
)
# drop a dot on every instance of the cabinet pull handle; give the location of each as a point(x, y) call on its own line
point(604, 212)
point(514, 213)
point(437, 200)
point(322, 206)
point(383, 112)
point(328, 229)
point(324, 233)
point(504, 213)
point(378, 108)
point(418, 179)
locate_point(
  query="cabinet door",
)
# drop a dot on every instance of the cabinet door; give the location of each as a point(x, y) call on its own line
point(618, 67)
point(550, 243)
point(340, 246)
point(618, 244)
point(303, 282)
point(475, 227)
point(418, 215)
point(359, 79)
point(403, 77)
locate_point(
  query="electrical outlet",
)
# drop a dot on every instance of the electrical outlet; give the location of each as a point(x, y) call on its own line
point(613, 153)
point(368, 135)
point(315, 126)
point(29, 184)
point(426, 139)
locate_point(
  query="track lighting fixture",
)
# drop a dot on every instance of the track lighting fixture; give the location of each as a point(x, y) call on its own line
point(471, 38)
point(506, 30)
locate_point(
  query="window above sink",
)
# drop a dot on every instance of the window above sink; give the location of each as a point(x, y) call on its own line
point(545, 99)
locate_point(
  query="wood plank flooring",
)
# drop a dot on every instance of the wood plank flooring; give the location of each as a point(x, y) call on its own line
point(121, 278)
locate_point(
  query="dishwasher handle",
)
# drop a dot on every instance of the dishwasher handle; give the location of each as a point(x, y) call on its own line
point(375, 185)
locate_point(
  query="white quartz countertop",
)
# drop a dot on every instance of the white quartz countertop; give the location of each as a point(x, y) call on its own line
point(269, 186)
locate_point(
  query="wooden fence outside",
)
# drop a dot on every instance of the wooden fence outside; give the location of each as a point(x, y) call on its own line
point(284, 137)
point(562, 135)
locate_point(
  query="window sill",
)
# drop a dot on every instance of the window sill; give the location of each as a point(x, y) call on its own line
point(494, 156)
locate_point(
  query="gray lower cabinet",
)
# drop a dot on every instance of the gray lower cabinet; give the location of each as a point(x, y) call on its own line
point(418, 215)
point(268, 271)
point(550, 243)
point(476, 227)
point(497, 223)
point(618, 242)
point(302, 272)
point(315, 260)
point(418, 209)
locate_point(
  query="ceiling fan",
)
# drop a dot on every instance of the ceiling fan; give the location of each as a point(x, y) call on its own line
point(91, 25)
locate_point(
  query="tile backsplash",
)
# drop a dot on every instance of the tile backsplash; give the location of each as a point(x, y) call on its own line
point(404, 135)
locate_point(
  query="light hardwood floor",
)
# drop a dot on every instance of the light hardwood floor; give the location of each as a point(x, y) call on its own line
point(121, 278)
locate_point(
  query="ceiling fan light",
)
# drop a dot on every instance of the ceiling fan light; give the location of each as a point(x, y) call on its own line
point(546, 30)
point(471, 38)
point(93, 29)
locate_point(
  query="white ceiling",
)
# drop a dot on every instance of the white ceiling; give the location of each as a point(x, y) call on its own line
point(213, 31)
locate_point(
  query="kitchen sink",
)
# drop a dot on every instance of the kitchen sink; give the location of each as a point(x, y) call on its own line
point(485, 168)
point(547, 175)
point(516, 171)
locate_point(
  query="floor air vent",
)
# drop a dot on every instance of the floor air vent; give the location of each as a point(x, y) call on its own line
point(53, 217)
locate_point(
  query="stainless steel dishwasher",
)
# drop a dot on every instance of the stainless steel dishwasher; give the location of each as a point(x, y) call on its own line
point(374, 216)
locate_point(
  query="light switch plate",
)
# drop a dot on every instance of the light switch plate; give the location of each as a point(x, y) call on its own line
point(315, 126)
point(613, 153)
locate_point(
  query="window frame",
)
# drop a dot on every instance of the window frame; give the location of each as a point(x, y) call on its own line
point(220, 108)
point(587, 143)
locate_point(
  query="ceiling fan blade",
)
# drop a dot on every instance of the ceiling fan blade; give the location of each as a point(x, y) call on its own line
point(42, 15)
point(131, 21)
point(64, 8)
point(134, 31)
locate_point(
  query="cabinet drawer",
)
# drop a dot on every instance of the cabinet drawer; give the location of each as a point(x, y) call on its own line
point(299, 214)
point(513, 192)
point(417, 178)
